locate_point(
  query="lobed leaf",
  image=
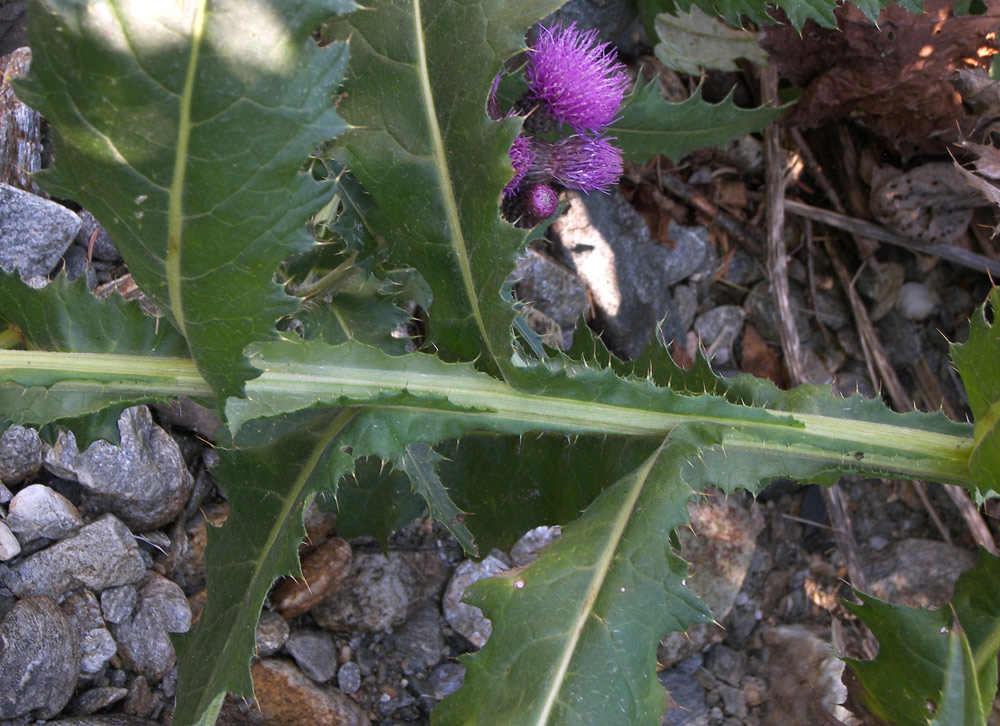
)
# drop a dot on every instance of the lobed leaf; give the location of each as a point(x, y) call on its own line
point(185, 139)
point(917, 668)
point(649, 125)
point(761, 11)
point(976, 361)
point(432, 161)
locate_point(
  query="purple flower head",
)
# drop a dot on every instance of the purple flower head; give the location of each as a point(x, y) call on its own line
point(522, 156)
point(579, 82)
point(578, 162)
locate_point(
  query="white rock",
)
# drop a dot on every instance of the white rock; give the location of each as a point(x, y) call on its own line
point(9, 546)
point(916, 301)
point(38, 511)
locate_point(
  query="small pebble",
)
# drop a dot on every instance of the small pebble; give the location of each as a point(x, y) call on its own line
point(322, 570)
point(349, 678)
point(97, 645)
point(95, 699)
point(314, 653)
point(916, 301)
point(526, 550)
point(117, 603)
point(271, 634)
point(468, 619)
point(20, 454)
point(446, 679)
point(285, 696)
point(143, 643)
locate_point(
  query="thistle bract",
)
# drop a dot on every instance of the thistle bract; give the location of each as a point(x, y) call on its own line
point(577, 162)
point(576, 80)
point(521, 157)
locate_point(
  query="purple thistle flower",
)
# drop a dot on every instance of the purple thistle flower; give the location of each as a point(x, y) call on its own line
point(577, 163)
point(522, 156)
point(579, 82)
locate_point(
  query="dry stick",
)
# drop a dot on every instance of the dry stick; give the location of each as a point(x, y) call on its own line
point(778, 273)
point(958, 255)
point(876, 357)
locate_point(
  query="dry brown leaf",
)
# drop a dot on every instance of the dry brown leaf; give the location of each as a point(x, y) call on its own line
point(893, 77)
point(759, 359)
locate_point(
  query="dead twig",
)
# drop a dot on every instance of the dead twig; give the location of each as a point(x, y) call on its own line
point(860, 227)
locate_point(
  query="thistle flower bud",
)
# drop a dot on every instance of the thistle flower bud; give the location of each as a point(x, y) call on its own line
point(531, 206)
point(522, 155)
point(577, 163)
point(577, 81)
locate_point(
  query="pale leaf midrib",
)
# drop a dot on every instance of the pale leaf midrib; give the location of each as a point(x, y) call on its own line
point(175, 211)
point(445, 181)
point(601, 569)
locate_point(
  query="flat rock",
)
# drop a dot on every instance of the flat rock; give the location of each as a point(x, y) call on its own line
point(719, 546)
point(103, 248)
point(686, 703)
point(39, 660)
point(801, 671)
point(287, 698)
point(420, 638)
point(96, 644)
point(20, 454)
point(718, 329)
point(101, 554)
point(380, 590)
point(607, 244)
point(531, 544)
point(34, 232)
point(39, 511)
point(143, 641)
point(464, 618)
point(95, 699)
point(314, 653)
point(917, 572)
point(118, 603)
point(144, 481)
point(106, 719)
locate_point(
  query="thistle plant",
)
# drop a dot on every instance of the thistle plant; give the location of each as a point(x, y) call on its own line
point(421, 162)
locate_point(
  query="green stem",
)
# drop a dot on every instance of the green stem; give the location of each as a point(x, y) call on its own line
point(876, 447)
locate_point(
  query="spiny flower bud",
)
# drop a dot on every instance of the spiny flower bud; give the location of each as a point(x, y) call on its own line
point(522, 155)
point(577, 81)
point(577, 163)
point(531, 206)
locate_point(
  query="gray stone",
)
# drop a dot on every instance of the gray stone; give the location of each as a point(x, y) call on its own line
point(881, 286)
point(733, 701)
point(144, 481)
point(104, 248)
point(420, 639)
point(469, 620)
point(38, 511)
point(801, 671)
point(727, 664)
point(34, 232)
point(102, 554)
point(552, 290)
point(271, 634)
point(20, 454)
point(380, 590)
point(118, 603)
point(742, 269)
point(686, 697)
point(686, 304)
point(39, 660)
point(143, 643)
point(526, 550)
point(445, 680)
point(718, 329)
point(349, 677)
point(314, 653)
point(96, 644)
point(604, 240)
point(106, 719)
point(9, 546)
point(917, 572)
point(77, 265)
point(901, 339)
point(95, 699)
point(5, 494)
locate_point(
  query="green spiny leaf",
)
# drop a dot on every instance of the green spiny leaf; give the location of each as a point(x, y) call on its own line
point(915, 659)
point(960, 699)
point(420, 463)
point(692, 41)
point(183, 128)
point(976, 361)
point(649, 125)
point(431, 159)
point(575, 634)
point(267, 489)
